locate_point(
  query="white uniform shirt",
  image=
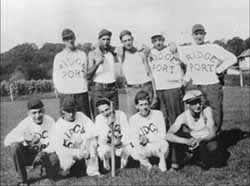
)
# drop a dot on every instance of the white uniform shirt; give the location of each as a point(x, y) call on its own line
point(103, 131)
point(152, 126)
point(167, 72)
point(67, 136)
point(27, 129)
point(203, 61)
point(68, 72)
point(134, 69)
point(106, 71)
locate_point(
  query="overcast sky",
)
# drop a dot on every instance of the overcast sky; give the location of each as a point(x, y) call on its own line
point(41, 21)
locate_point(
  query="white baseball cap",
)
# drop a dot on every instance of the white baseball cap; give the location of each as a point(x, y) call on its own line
point(154, 34)
point(192, 95)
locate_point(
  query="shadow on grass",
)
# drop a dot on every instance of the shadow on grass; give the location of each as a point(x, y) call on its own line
point(231, 137)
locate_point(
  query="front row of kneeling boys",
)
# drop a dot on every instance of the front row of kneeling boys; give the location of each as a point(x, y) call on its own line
point(38, 139)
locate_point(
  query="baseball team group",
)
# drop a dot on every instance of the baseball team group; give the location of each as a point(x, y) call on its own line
point(172, 111)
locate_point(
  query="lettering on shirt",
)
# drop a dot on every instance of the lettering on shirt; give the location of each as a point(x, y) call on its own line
point(39, 139)
point(72, 69)
point(208, 64)
point(146, 129)
point(168, 65)
point(163, 68)
point(117, 133)
point(77, 129)
point(167, 57)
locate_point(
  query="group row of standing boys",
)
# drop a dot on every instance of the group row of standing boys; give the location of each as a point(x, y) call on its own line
point(163, 71)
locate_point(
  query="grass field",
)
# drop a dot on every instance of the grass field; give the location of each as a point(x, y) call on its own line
point(236, 121)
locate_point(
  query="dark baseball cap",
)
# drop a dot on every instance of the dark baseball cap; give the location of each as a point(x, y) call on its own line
point(123, 33)
point(67, 33)
point(34, 103)
point(68, 104)
point(104, 32)
point(198, 27)
point(102, 101)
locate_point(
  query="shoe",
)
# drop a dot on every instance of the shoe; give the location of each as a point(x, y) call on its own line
point(203, 166)
point(95, 174)
point(174, 167)
point(148, 167)
point(64, 173)
point(23, 184)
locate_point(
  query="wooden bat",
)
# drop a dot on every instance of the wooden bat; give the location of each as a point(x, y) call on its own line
point(112, 141)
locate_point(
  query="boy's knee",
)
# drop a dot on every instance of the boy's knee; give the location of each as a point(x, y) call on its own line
point(16, 147)
point(102, 151)
point(53, 159)
point(212, 146)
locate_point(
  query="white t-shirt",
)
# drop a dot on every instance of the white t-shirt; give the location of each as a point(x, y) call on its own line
point(103, 131)
point(152, 126)
point(203, 61)
point(70, 135)
point(68, 72)
point(27, 129)
point(166, 70)
point(134, 69)
point(106, 71)
point(198, 128)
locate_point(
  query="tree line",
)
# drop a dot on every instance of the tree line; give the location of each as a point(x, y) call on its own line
point(27, 61)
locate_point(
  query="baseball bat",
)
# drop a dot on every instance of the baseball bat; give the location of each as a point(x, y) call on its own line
point(112, 141)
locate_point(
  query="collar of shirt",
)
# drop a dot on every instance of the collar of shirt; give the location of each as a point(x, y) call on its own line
point(160, 49)
point(132, 50)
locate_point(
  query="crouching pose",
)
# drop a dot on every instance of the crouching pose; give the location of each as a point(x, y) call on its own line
point(148, 134)
point(73, 139)
point(193, 135)
point(104, 122)
point(29, 138)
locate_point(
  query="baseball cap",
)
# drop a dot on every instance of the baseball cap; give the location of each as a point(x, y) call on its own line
point(155, 34)
point(104, 32)
point(68, 104)
point(198, 27)
point(66, 33)
point(102, 101)
point(123, 33)
point(192, 95)
point(34, 103)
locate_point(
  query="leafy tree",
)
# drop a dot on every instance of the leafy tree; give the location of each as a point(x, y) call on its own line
point(247, 43)
point(236, 45)
point(221, 43)
point(86, 47)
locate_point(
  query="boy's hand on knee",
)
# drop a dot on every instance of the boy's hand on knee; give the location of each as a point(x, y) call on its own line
point(195, 143)
point(143, 140)
point(39, 159)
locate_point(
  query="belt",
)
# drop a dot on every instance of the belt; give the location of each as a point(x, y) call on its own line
point(104, 85)
point(140, 85)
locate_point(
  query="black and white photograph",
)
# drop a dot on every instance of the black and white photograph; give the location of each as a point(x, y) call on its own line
point(125, 92)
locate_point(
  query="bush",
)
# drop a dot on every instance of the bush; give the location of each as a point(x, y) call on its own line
point(24, 87)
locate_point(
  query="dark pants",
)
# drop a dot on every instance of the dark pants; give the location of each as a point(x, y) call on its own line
point(81, 100)
point(214, 96)
point(101, 90)
point(207, 154)
point(170, 104)
point(24, 156)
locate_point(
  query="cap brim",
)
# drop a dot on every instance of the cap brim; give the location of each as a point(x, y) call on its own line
point(200, 30)
point(68, 36)
point(156, 35)
point(192, 99)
